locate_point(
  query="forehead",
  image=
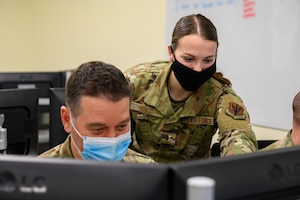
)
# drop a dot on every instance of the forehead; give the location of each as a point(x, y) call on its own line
point(101, 110)
point(197, 43)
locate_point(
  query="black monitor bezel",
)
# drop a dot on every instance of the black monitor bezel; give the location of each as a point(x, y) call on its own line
point(81, 179)
point(57, 133)
point(25, 101)
point(52, 79)
point(273, 174)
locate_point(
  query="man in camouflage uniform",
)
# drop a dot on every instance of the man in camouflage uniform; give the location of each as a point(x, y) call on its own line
point(97, 116)
point(293, 136)
point(170, 133)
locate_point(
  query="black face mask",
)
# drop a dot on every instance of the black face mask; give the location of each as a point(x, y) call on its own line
point(189, 79)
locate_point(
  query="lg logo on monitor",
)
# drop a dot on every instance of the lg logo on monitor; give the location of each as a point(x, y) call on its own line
point(281, 172)
point(24, 184)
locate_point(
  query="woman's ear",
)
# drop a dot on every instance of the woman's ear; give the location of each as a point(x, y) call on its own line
point(170, 52)
point(65, 118)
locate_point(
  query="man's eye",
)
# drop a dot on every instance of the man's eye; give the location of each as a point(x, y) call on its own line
point(122, 127)
point(97, 130)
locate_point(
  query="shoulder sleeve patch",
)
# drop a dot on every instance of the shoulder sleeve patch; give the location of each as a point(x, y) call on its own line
point(235, 111)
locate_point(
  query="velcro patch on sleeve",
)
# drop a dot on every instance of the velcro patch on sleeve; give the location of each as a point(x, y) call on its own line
point(235, 111)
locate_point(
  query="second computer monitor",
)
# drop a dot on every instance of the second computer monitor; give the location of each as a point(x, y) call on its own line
point(273, 174)
point(57, 133)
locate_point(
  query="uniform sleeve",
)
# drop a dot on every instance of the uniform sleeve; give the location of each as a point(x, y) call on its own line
point(51, 153)
point(62, 150)
point(235, 132)
point(284, 142)
point(135, 157)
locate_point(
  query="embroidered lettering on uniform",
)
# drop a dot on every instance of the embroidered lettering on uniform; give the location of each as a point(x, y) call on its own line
point(199, 120)
point(235, 111)
point(141, 116)
point(144, 109)
point(141, 108)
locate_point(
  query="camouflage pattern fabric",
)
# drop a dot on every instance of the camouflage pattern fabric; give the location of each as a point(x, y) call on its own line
point(64, 151)
point(183, 131)
point(284, 142)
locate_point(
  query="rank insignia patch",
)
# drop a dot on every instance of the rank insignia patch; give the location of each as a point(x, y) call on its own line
point(235, 111)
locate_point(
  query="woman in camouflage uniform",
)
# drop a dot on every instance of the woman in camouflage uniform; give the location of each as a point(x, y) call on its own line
point(178, 106)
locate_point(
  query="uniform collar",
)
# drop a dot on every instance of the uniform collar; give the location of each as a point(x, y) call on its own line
point(65, 150)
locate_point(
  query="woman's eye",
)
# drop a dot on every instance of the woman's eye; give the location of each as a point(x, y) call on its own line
point(188, 59)
point(208, 61)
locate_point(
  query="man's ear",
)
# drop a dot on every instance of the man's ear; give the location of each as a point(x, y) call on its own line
point(171, 56)
point(65, 118)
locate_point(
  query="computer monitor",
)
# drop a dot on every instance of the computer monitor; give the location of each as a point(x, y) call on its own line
point(20, 109)
point(273, 174)
point(41, 80)
point(56, 178)
point(57, 133)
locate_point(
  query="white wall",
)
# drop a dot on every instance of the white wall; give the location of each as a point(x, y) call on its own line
point(50, 35)
point(16, 35)
point(47, 35)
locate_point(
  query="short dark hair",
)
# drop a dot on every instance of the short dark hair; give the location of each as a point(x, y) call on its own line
point(95, 79)
point(296, 108)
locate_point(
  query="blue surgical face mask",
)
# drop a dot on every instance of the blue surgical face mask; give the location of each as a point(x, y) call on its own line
point(104, 148)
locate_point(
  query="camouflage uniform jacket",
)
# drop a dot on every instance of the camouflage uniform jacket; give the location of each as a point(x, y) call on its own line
point(167, 134)
point(64, 151)
point(284, 142)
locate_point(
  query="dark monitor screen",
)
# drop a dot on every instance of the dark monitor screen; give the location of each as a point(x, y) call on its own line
point(273, 174)
point(57, 133)
point(41, 80)
point(53, 178)
point(20, 109)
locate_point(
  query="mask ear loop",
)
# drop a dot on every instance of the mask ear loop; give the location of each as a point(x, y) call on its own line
point(73, 126)
point(78, 150)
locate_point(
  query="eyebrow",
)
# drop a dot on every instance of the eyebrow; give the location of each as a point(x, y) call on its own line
point(90, 125)
point(212, 56)
point(187, 54)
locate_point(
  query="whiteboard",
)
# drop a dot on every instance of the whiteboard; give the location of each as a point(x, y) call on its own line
point(259, 51)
